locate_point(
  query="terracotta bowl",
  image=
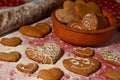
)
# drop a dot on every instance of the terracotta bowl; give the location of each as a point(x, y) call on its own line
point(84, 38)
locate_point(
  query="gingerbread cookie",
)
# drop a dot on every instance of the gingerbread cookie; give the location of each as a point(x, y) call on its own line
point(112, 74)
point(102, 21)
point(29, 68)
point(50, 74)
point(83, 8)
point(84, 66)
point(80, 8)
point(14, 41)
point(10, 57)
point(89, 22)
point(67, 14)
point(92, 7)
point(37, 31)
point(86, 52)
point(111, 57)
point(49, 53)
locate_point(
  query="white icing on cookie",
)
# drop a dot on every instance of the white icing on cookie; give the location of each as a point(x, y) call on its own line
point(110, 55)
point(78, 65)
point(48, 51)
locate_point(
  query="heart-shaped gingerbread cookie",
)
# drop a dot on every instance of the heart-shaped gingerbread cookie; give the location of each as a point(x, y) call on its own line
point(89, 22)
point(82, 8)
point(111, 57)
point(13, 41)
point(86, 52)
point(112, 74)
point(84, 66)
point(37, 31)
point(67, 14)
point(10, 57)
point(50, 74)
point(49, 53)
point(29, 68)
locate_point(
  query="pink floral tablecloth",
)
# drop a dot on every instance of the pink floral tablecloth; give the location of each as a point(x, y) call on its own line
point(8, 70)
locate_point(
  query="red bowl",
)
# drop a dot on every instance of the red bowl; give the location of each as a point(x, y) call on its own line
point(83, 37)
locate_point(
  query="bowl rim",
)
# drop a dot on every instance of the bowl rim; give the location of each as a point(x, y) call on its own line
point(86, 31)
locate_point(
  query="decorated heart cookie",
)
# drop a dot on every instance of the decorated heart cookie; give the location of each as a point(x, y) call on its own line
point(89, 22)
point(112, 74)
point(86, 52)
point(10, 57)
point(111, 57)
point(28, 68)
point(50, 74)
point(84, 66)
point(49, 53)
point(67, 14)
point(14, 41)
point(37, 31)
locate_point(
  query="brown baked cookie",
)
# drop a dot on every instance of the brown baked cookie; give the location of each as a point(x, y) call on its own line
point(102, 21)
point(85, 66)
point(86, 52)
point(83, 8)
point(112, 74)
point(93, 7)
point(80, 8)
point(14, 41)
point(37, 31)
point(28, 68)
point(67, 13)
point(50, 74)
point(89, 22)
point(43, 28)
point(30, 31)
point(13, 56)
point(111, 57)
point(49, 53)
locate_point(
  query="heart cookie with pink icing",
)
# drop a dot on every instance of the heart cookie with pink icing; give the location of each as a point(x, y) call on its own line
point(84, 66)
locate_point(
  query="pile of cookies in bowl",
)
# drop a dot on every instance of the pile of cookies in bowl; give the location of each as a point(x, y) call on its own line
point(83, 23)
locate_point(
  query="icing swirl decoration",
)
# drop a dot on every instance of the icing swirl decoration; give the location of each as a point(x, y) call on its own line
point(49, 53)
